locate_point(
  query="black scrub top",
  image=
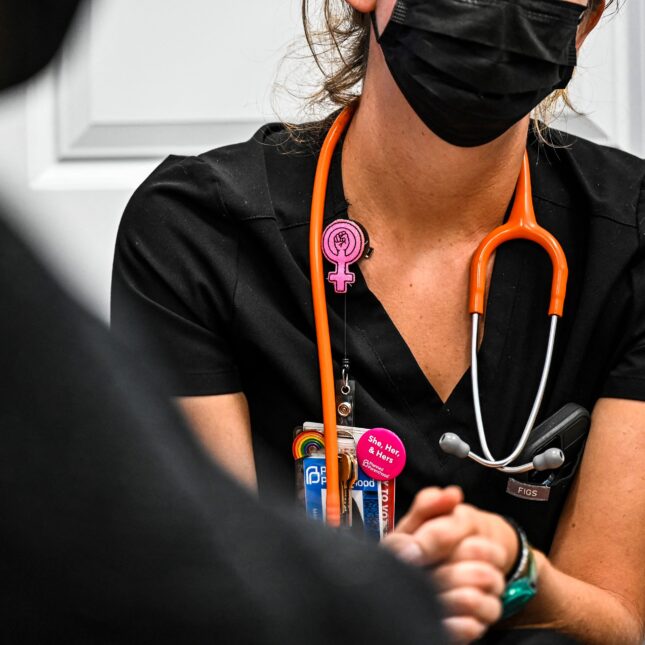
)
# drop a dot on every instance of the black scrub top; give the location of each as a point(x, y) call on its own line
point(212, 254)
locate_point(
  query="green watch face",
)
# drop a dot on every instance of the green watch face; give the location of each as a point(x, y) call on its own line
point(516, 595)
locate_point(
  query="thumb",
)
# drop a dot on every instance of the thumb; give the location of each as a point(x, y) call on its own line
point(404, 547)
point(428, 504)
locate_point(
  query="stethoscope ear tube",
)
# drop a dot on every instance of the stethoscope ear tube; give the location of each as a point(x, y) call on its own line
point(489, 460)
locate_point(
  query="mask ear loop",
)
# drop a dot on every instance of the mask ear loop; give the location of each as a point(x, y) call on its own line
point(399, 13)
point(377, 35)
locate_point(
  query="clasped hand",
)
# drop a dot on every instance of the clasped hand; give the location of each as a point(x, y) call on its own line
point(466, 552)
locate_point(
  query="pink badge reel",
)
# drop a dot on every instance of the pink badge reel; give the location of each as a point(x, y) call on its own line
point(381, 454)
point(343, 243)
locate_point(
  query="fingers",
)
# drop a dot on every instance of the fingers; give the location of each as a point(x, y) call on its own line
point(473, 574)
point(480, 548)
point(434, 542)
point(438, 538)
point(470, 587)
point(428, 504)
point(471, 602)
point(405, 548)
point(463, 629)
point(469, 556)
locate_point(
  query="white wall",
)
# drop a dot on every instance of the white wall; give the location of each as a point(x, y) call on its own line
point(609, 85)
point(143, 79)
point(137, 81)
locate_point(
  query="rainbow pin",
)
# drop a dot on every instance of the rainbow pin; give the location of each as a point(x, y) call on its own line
point(307, 443)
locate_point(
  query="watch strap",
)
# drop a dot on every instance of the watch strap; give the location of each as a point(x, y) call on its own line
point(522, 581)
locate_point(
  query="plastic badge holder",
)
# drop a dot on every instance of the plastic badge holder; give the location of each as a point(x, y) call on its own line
point(372, 502)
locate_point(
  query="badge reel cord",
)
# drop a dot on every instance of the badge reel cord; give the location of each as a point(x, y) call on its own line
point(522, 224)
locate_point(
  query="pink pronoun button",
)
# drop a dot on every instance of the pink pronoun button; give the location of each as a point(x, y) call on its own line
point(381, 454)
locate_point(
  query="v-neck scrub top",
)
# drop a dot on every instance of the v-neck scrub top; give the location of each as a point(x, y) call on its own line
point(212, 257)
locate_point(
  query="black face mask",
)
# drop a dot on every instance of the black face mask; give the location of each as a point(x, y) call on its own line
point(471, 69)
point(31, 31)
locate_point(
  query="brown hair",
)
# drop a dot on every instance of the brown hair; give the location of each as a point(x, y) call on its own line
point(339, 44)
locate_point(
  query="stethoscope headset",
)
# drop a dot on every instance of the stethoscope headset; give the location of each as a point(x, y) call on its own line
point(521, 224)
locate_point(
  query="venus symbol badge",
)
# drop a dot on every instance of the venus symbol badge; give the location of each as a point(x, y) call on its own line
point(343, 244)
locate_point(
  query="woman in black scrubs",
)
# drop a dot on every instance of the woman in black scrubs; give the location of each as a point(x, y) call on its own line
point(213, 253)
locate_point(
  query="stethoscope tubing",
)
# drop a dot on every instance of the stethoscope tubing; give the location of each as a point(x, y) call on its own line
point(489, 460)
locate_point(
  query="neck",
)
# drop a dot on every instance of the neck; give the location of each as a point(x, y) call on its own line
point(402, 180)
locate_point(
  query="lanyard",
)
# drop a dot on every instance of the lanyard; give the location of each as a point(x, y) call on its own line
point(323, 339)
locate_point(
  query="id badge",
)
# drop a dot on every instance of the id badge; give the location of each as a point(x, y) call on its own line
point(370, 502)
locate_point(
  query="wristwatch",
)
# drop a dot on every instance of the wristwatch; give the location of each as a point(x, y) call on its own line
point(522, 583)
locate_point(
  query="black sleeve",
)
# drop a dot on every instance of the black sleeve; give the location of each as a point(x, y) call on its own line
point(117, 528)
point(174, 276)
point(627, 377)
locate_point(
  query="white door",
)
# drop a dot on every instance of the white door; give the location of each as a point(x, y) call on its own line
point(140, 80)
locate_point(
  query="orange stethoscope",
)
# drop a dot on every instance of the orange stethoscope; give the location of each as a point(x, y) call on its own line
point(521, 225)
